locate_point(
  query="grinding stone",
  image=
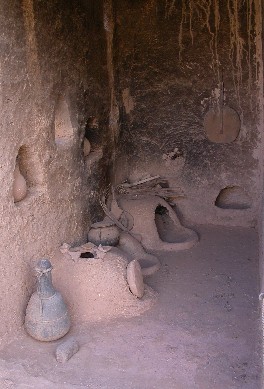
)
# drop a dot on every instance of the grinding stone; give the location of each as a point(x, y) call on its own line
point(135, 278)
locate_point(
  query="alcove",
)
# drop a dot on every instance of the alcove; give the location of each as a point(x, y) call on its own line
point(31, 170)
point(64, 132)
point(20, 186)
point(232, 197)
point(31, 165)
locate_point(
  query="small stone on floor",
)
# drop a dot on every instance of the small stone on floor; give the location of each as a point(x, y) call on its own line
point(66, 350)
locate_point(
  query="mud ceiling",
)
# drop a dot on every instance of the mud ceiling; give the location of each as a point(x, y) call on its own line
point(148, 70)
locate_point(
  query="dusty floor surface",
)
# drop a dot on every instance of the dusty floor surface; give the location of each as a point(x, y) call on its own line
point(203, 333)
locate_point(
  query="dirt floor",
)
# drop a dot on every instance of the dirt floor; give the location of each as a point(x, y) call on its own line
point(203, 333)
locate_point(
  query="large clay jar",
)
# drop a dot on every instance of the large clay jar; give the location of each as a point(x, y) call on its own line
point(105, 233)
point(19, 185)
point(47, 316)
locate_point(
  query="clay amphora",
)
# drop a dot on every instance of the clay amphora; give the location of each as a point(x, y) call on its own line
point(19, 185)
point(105, 233)
point(47, 317)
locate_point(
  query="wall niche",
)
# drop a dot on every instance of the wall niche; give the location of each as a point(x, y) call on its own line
point(233, 197)
point(27, 173)
point(63, 125)
point(20, 188)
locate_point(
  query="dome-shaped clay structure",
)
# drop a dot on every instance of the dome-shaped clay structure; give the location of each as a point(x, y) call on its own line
point(157, 224)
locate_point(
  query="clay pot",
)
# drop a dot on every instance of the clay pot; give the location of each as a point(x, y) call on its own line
point(47, 317)
point(105, 233)
point(19, 185)
point(86, 147)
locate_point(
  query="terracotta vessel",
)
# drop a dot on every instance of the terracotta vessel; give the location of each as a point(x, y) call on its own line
point(105, 233)
point(19, 185)
point(47, 316)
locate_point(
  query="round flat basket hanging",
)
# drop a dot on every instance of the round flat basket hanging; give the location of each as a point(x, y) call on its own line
point(222, 125)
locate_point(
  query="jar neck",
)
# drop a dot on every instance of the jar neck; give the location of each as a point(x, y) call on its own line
point(45, 288)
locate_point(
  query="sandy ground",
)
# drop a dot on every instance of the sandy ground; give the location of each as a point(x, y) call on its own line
point(203, 333)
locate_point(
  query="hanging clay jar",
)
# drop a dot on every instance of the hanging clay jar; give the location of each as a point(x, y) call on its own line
point(19, 185)
point(86, 147)
point(105, 233)
point(47, 316)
